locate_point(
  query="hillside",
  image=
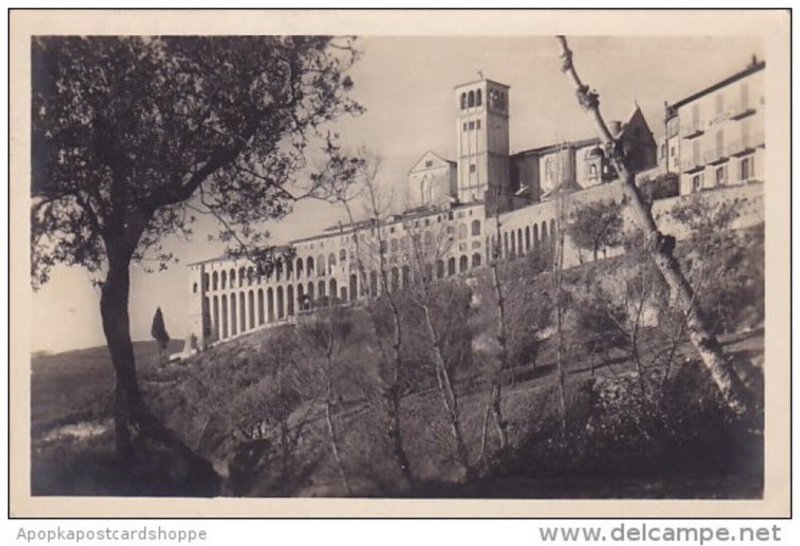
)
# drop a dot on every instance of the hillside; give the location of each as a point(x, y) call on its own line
point(71, 381)
point(256, 406)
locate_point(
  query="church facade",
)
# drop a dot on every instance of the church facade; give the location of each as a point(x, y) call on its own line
point(453, 208)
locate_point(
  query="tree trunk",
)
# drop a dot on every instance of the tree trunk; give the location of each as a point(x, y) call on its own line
point(332, 429)
point(660, 248)
point(129, 408)
point(558, 267)
point(391, 392)
point(502, 339)
point(449, 398)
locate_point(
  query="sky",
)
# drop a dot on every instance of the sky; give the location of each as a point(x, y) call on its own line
point(406, 85)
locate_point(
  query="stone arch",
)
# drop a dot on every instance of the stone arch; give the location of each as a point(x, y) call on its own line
point(476, 227)
point(215, 280)
point(279, 301)
point(309, 266)
point(251, 309)
point(321, 265)
point(223, 278)
point(260, 295)
point(343, 294)
point(224, 305)
point(544, 232)
point(331, 263)
point(536, 235)
point(301, 304)
point(471, 99)
point(451, 266)
point(298, 267)
point(321, 290)
point(290, 300)
point(527, 238)
point(463, 101)
point(478, 98)
point(310, 293)
point(553, 230)
point(463, 264)
point(270, 305)
point(233, 314)
point(241, 276)
point(395, 280)
point(333, 290)
point(215, 316)
point(353, 287)
point(373, 284)
point(250, 275)
point(519, 241)
point(242, 312)
point(232, 278)
point(476, 260)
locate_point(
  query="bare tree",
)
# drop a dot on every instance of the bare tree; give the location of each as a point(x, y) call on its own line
point(660, 248)
point(559, 307)
point(426, 254)
point(377, 208)
point(322, 334)
point(495, 400)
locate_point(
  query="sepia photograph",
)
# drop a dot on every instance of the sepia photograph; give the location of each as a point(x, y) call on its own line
point(340, 262)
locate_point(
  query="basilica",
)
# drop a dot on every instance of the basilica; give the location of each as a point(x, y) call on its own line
point(485, 202)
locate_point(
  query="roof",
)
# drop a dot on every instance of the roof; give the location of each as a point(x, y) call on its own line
point(480, 80)
point(560, 146)
point(752, 68)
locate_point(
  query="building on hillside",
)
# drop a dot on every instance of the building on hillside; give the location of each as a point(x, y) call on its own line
point(450, 206)
point(715, 137)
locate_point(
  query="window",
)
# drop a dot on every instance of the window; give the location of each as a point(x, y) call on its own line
point(429, 163)
point(721, 175)
point(194, 288)
point(478, 124)
point(478, 98)
point(696, 116)
point(472, 168)
point(697, 182)
point(476, 227)
point(471, 99)
point(465, 126)
point(746, 170)
point(592, 171)
point(471, 125)
point(745, 133)
point(744, 96)
point(463, 100)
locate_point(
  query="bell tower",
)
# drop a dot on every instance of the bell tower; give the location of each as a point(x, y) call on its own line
point(482, 143)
